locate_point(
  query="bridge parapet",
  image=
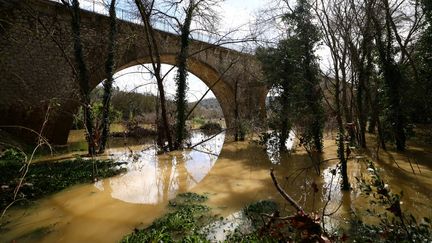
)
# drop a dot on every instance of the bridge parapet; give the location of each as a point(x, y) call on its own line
point(127, 15)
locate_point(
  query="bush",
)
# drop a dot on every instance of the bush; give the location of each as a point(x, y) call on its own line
point(13, 155)
point(211, 128)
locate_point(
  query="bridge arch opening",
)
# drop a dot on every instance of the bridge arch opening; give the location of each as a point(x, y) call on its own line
point(136, 96)
point(199, 73)
point(139, 79)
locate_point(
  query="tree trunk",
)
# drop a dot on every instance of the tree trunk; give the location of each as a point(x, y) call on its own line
point(341, 138)
point(83, 78)
point(109, 69)
point(153, 50)
point(393, 80)
point(182, 77)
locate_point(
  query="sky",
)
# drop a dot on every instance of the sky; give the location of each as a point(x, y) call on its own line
point(234, 13)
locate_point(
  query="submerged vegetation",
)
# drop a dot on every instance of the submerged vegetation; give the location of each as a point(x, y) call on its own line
point(189, 220)
point(372, 98)
point(184, 223)
point(45, 178)
point(394, 223)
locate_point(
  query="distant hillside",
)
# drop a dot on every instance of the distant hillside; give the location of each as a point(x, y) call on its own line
point(208, 108)
point(210, 103)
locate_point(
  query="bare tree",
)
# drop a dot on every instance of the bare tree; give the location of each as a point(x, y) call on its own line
point(333, 16)
point(146, 10)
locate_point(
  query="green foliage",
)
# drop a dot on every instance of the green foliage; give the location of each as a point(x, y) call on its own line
point(114, 115)
point(198, 120)
point(282, 80)
point(13, 155)
point(207, 108)
point(46, 178)
point(254, 211)
point(420, 91)
point(242, 129)
point(391, 228)
point(291, 71)
point(182, 73)
point(190, 197)
point(184, 223)
point(127, 104)
point(106, 116)
point(238, 236)
point(97, 110)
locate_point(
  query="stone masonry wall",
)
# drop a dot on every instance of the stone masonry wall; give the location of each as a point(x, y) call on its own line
point(37, 67)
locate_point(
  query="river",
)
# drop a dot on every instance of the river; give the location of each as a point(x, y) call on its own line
point(232, 174)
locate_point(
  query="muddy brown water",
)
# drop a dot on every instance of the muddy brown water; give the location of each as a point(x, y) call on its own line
point(233, 174)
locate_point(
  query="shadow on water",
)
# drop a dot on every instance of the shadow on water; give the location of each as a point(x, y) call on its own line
point(110, 208)
point(233, 174)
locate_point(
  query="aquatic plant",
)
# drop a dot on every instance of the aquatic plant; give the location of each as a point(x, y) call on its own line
point(184, 223)
point(46, 178)
point(12, 155)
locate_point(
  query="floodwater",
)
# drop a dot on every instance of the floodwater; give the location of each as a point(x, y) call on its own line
point(233, 174)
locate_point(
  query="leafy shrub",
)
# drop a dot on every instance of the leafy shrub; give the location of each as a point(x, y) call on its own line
point(198, 120)
point(394, 224)
point(13, 155)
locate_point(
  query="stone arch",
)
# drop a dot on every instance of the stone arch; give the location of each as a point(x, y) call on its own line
point(222, 90)
point(36, 71)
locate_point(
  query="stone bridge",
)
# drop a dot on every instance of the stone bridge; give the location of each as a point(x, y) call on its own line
point(37, 81)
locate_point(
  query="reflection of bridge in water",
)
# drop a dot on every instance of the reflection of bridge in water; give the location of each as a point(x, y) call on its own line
point(36, 56)
point(151, 179)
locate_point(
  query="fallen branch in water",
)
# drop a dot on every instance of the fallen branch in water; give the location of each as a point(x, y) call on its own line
point(206, 152)
point(284, 194)
point(307, 225)
point(208, 139)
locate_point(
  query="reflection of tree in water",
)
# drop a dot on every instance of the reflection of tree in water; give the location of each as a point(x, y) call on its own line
point(273, 146)
point(153, 178)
